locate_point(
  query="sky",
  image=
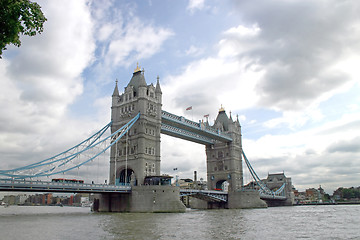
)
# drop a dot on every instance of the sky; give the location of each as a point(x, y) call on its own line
point(287, 69)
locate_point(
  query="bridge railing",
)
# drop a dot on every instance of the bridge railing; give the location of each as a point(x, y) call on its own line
point(13, 185)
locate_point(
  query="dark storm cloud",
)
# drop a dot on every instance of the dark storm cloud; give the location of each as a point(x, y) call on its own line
point(298, 43)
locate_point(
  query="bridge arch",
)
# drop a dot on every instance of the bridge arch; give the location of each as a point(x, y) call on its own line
point(126, 176)
point(222, 184)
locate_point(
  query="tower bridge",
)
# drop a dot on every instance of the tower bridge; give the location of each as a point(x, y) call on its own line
point(137, 122)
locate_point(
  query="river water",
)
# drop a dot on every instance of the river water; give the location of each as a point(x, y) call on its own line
point(299, 222)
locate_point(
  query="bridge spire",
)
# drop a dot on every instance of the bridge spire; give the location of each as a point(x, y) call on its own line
point(116, 90)
point(157, 88)
point(137, 69)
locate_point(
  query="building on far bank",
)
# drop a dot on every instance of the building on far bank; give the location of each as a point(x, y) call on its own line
point(15, 199)
point(310, 195)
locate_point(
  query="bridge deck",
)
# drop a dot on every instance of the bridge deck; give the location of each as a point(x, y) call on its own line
point(40, 186)
point(272, 197)
point(210, 195)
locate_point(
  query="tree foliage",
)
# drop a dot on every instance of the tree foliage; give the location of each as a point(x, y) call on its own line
point(19, 16)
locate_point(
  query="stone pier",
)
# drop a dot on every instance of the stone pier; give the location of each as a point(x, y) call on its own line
point(146, 198)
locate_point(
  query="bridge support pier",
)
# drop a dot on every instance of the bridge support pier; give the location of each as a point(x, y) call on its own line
point(235, 200)
point(146, 198)
point(245, 199)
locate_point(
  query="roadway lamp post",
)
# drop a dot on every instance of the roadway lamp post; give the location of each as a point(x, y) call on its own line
point(176, 177)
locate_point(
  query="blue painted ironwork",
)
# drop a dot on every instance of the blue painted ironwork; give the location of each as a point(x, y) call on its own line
point(184, 134)
point(265, 192)
point(70, 159)
point(210, 195)
point(181, 127)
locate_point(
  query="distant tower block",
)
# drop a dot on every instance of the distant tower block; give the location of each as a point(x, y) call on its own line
point(224, 160)
point(138, 154)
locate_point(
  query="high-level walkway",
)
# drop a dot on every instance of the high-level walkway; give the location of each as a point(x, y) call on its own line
point(180, 127)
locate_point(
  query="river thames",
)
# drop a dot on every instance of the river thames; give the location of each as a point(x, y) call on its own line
point(298, 222)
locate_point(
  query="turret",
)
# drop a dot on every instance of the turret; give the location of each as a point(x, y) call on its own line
point(115, 100)
point(158, 95)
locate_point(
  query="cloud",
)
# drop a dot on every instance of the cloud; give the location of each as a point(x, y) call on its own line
point(299, 45)
point(194, 51)
point(186, 156)
point(195, 5)
point(211, 80)
point(138, 41)
point(326, 155)
point(40, 80)
point(292, 64)
point(350, 146)
point(291, 58)
point(123, 38)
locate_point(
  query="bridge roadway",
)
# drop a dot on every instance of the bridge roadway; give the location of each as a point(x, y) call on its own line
point(9, 185)
point(42, 186)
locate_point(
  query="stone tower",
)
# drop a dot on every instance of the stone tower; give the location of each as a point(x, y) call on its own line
point(137, 154)
point(224, 160)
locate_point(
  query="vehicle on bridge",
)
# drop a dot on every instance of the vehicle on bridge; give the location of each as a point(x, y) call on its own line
point(158, 180)
point(64, 180)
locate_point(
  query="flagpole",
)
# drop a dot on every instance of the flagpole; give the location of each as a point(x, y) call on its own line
point(192, 114)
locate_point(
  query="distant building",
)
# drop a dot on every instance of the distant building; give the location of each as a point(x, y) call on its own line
point(276, 180)
point(15, 199)
point(46, 199)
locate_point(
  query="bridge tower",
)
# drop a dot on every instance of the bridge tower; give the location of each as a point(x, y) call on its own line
point(224, 160)
point(137, 154)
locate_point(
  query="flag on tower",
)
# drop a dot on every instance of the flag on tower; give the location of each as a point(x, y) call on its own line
point(206, 116)
point(189, 108)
